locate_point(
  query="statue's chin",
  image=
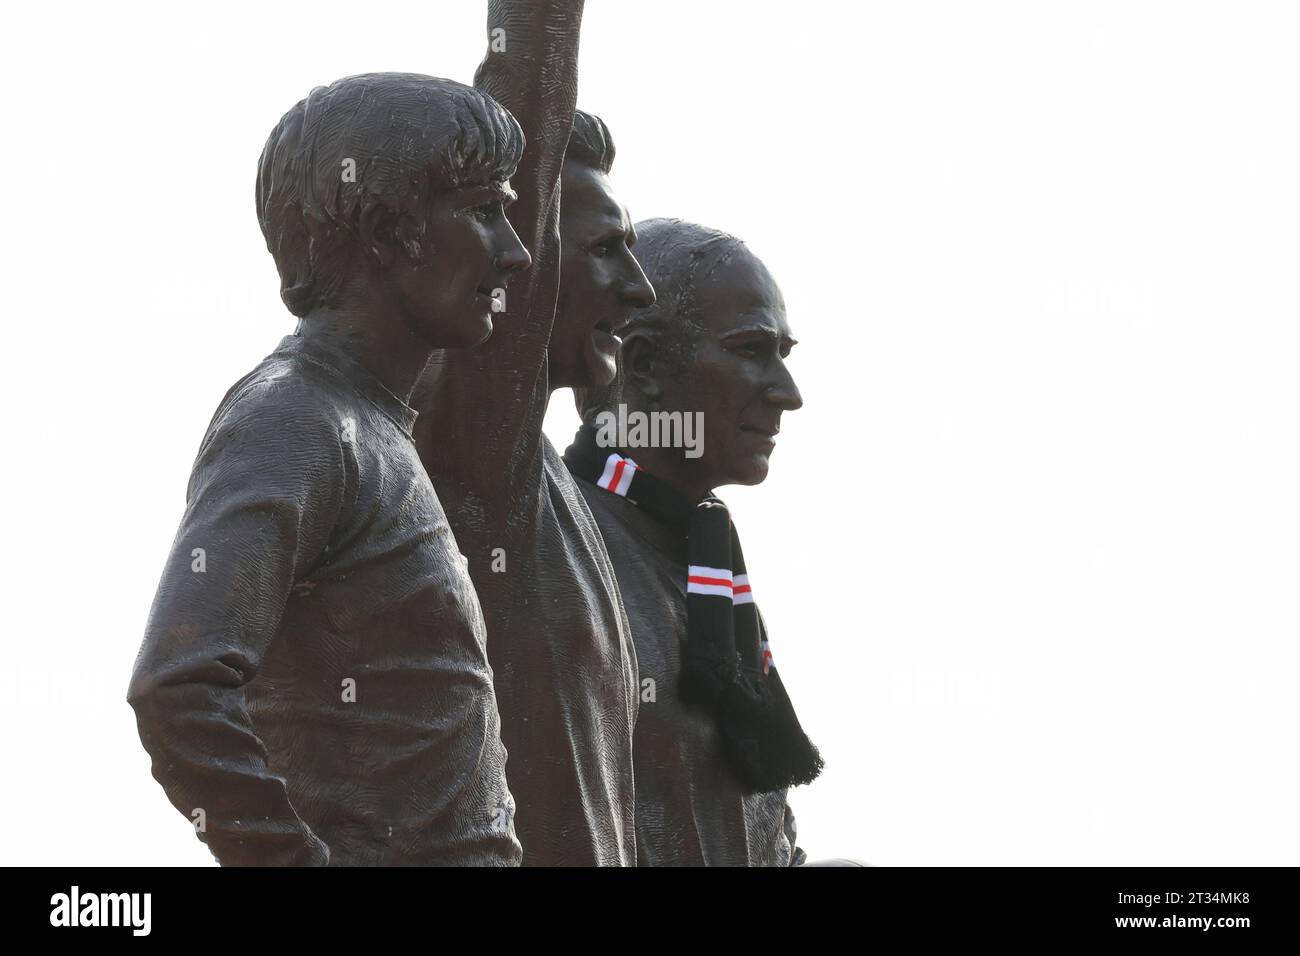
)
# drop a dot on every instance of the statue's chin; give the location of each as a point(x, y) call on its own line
point(752, 472)
point(600, 368)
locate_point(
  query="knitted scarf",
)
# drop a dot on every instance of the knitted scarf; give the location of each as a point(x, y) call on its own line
point(727, 665)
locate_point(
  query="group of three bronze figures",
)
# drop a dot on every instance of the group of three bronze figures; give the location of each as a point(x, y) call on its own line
point(386, 579)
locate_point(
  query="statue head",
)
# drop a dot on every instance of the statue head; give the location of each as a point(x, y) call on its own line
point(715, 341)
point(385, 192)
point(601, 283)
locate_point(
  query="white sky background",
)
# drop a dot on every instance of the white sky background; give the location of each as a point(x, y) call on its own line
point(1029, 552)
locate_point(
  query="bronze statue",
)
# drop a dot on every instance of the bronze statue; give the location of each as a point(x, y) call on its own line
point(563, 663)
point(313, 684)
point(717, 742)
point(601, 283)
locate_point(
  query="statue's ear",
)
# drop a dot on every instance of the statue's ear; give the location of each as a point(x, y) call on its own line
point(386, 235)
point(642, 365)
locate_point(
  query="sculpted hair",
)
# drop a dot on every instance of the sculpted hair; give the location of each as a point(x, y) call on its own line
point(392, 138)
point(677, 257)
point(590, 142)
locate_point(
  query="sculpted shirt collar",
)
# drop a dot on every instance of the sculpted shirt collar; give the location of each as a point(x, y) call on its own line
point(373, 390)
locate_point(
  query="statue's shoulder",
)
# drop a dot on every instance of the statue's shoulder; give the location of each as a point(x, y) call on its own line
point(282, 406)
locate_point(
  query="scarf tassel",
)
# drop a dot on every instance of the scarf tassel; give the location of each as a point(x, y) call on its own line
point(761, 735)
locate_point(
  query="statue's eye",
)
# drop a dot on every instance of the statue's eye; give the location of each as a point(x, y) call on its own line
point(484, 213)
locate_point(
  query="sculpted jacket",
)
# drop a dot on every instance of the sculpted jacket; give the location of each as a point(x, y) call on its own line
point(313, 684)
point(690, 808)
point(564, 666)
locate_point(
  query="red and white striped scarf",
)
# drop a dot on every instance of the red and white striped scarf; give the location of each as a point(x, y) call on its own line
point(727, 665)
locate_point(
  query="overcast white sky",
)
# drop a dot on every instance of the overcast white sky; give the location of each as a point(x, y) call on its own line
point(1029, 551)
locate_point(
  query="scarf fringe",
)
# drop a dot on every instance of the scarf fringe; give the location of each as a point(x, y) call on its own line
point(761, 735)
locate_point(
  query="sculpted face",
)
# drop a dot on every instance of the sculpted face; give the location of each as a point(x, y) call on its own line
point(444, 293)
point(601, 283)
point(737, 376)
